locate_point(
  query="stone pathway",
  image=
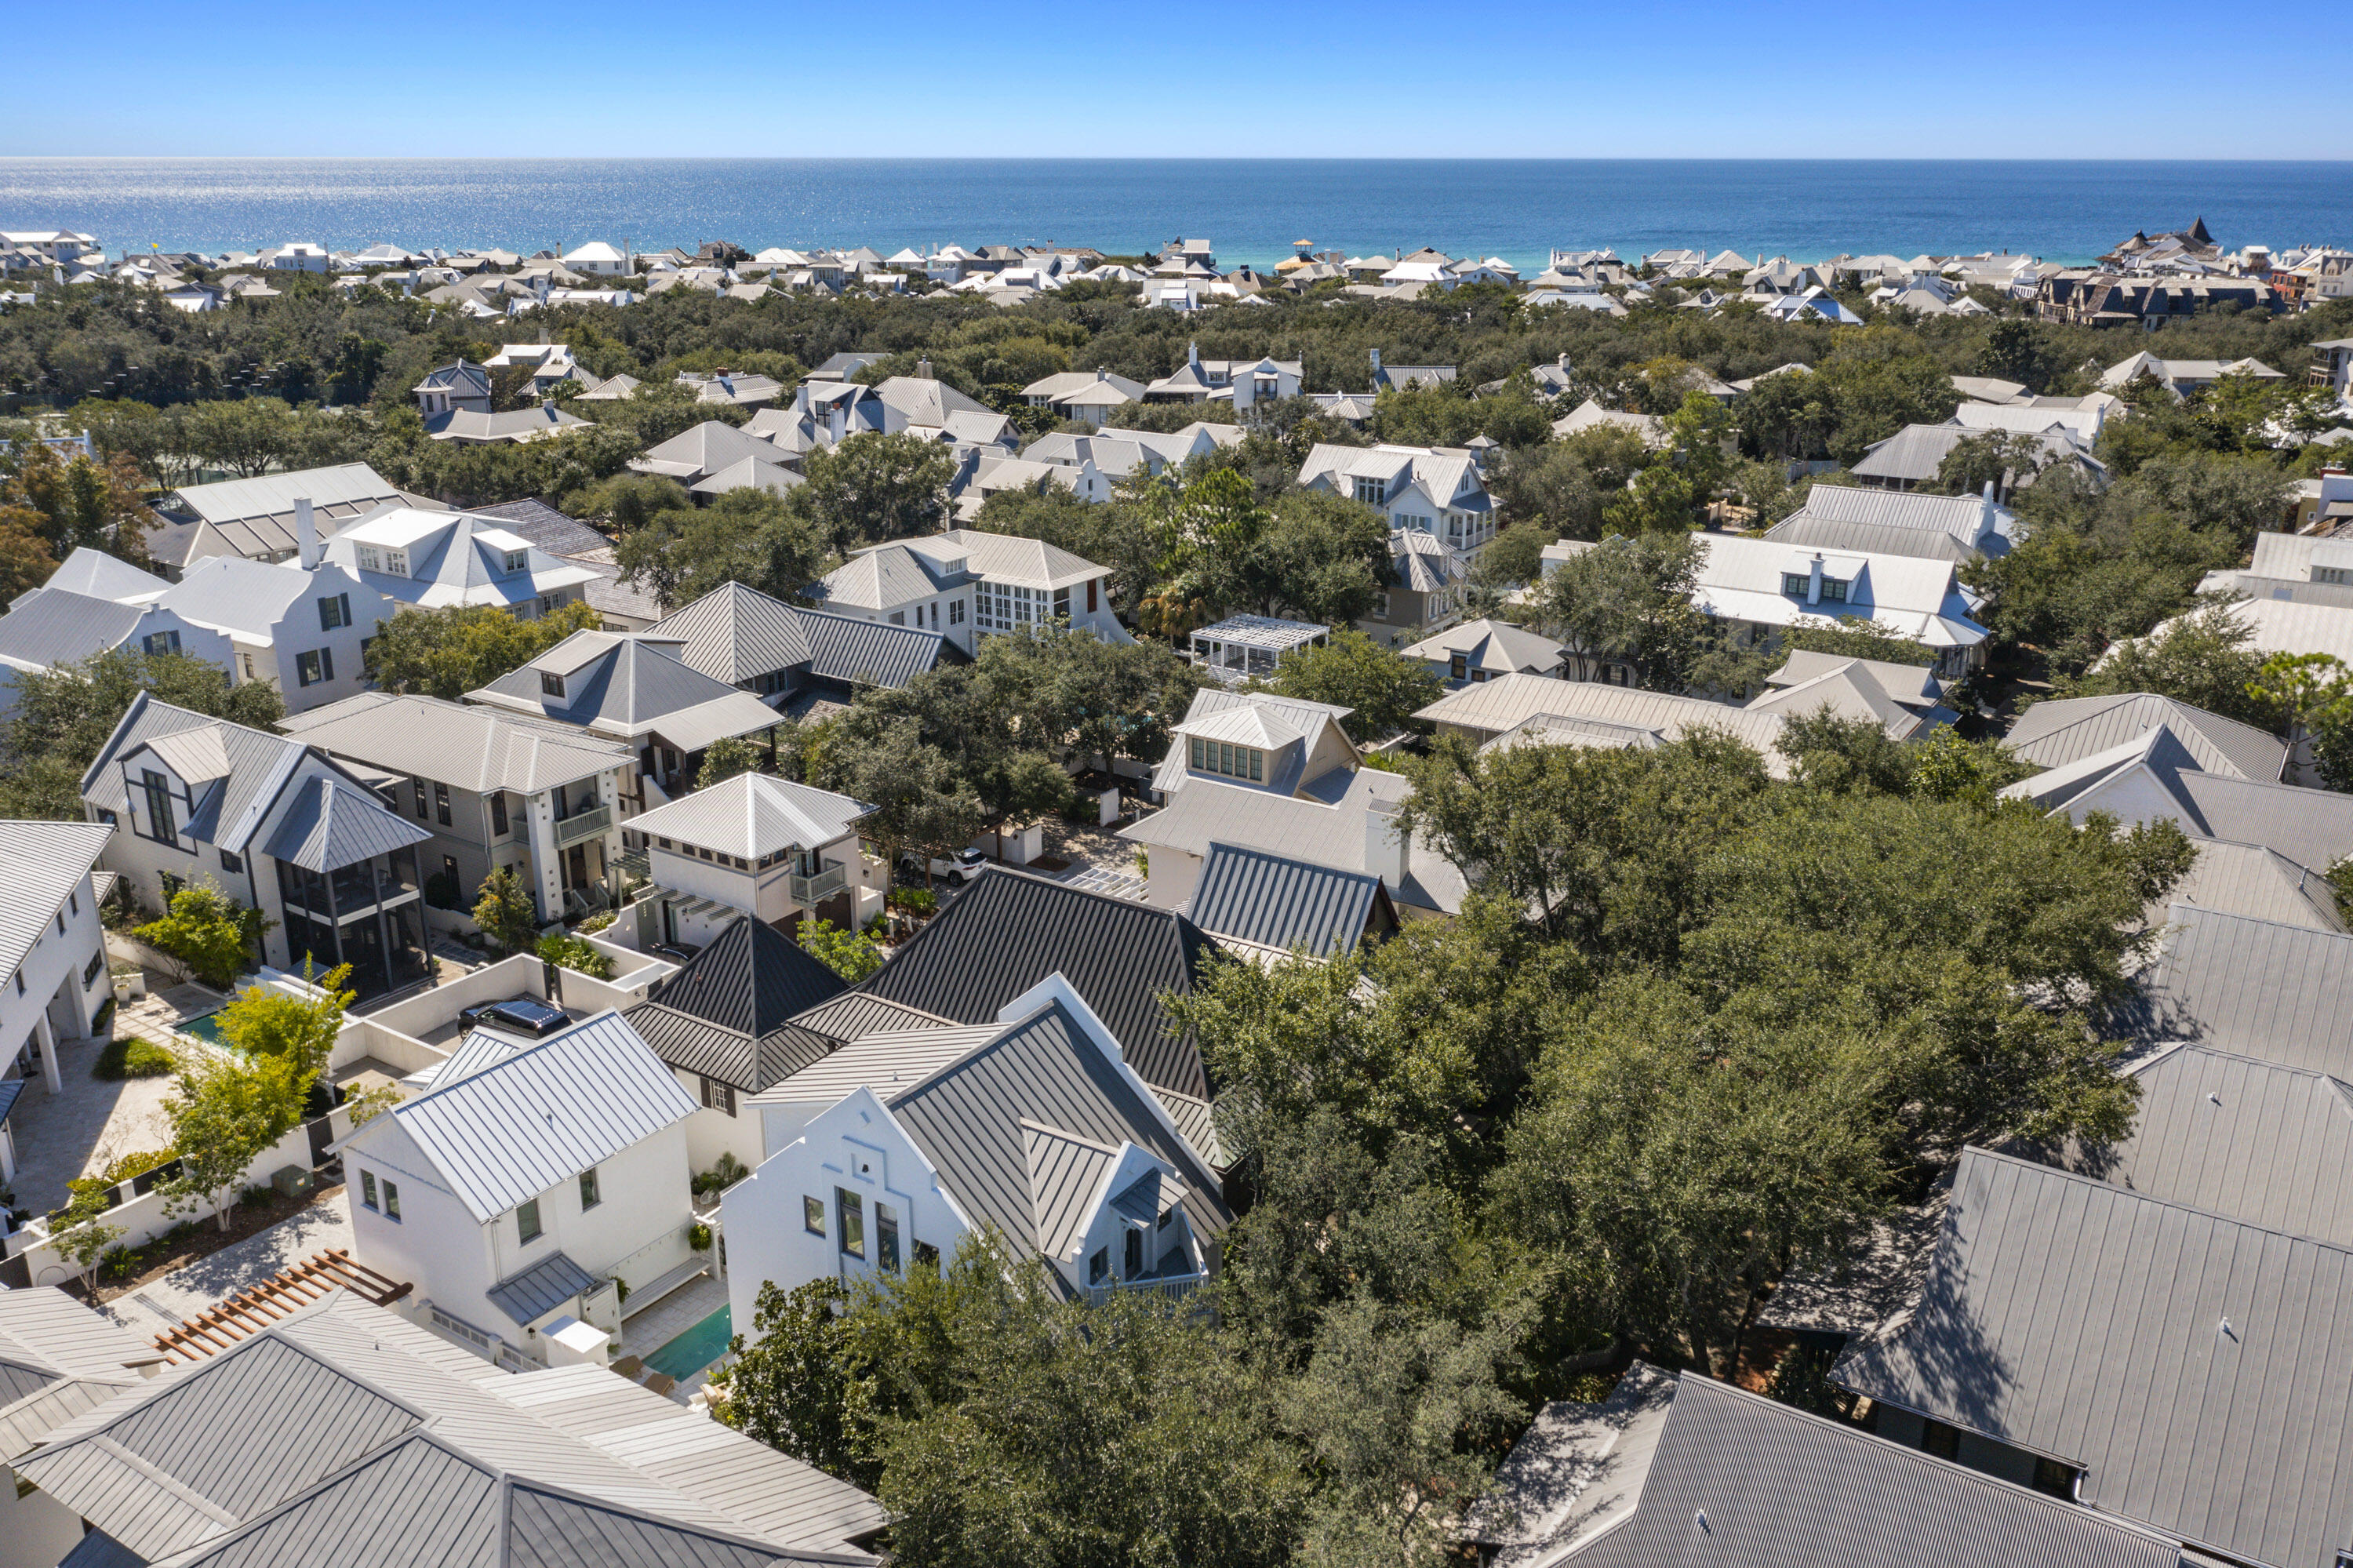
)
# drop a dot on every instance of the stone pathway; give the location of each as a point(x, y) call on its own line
point(159, 1015)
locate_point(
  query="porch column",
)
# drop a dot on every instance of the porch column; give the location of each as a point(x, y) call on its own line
point(543, 862)
point(48, 1038)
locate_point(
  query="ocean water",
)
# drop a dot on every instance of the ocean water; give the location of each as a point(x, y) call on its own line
point(1252, 210)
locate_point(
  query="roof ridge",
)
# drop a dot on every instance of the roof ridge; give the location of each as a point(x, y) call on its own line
point(2137, 1195)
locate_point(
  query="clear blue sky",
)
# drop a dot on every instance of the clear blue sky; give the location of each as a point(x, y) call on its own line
point(1697, 78)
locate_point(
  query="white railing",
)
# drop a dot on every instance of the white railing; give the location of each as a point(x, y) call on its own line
point(808, 890)
point(1174, 1290)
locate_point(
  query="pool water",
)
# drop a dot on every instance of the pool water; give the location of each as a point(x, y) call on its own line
point(207, 1029)
point(697, 1348)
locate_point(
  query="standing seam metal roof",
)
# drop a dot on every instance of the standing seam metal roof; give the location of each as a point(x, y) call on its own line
point(41, 863)
point(729, 1012)
point(545, 1114)
point(2194, 1367)
point(1259, 897)
point(1008, 931)
point(1777, 1487)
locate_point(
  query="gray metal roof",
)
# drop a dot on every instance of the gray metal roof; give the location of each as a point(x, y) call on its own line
point(1007, 931)
point(751, 815)
point(544, 526)
point(97, 574)
point(1266, 899)
point(1065, 1173)
point(255, 517)
point(2263, 1143)
point(626, 686)
point(967, 1118)
point(2256, 988)
point(885, 1061)
point(347, 1426)
point(258, 766)
point(729, 1012)
point(1316, 828)
point(736, 634)
point(2067, 729)
point(51, 626)
point(855, 1014)
point(328, 823)
point(883, 575)
point(2192, 1366)
point(854, 652)
point(2249, 879)
point(473, 747)
point(542, 1116)
point(779, 1496)
point(2154, 777)
point(1495, 646)
point(41, 864)
point(536, 1291)
point(1736, 1479)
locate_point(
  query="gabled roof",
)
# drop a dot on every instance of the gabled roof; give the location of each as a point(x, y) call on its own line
point(2258, 988)
point(58, 1360)
point(728, 1013)
point(1494, 707)
point(2067, 729)
point(2184, 1360)
point(2250, 879)
point(1011, 558)
point(1269, 901)
point(887, 575)
point(2153, 775)
point(753, 815)
point(541, 1116)
point(1914, 685)
point(1849, 690)
point(101, 576)
point(967, 1118)
point(255, 517)
point(1008, 931)
point(1495, 646)
point(346, 1424)
point(474, 747)
point(50, 625)
point(736, 634)
point(1723, 1476)
point(703, 451)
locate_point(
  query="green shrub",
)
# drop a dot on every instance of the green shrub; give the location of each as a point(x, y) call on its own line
point(596, 922)
point(916, 901)
point(131, 1057)
point(572, 953)
point(698, 1236)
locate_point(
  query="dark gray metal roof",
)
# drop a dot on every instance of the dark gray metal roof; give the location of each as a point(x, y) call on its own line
point(1284, 904)
point(620, 682)
point(1736, 1479)
point(729, 1012)
point(99, 1550)
point(540, 1290)
point(872, 652)
point(854, 1014)
point(547, 528)
point(1008, 931)
point(967, 1120)
point(2195, 1368)
point(2256, 988)
point(327, 823)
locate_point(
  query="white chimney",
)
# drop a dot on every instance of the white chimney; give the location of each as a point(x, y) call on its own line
point(1814, 583)
point(1985, 512)
point(306, 534)
point(1388, 855)
point(1193, 356)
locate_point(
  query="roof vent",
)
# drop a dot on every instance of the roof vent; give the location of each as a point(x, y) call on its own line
point(2228, 1332)
point(1700, 1518)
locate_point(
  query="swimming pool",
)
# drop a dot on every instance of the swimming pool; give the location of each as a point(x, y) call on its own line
point(697, 1348)
point(207, 1029)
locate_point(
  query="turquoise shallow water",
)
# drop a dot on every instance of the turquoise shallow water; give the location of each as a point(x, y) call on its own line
point(1251, 209)
point(697, 1348)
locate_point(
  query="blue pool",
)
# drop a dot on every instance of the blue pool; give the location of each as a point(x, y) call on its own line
point(697, 1348)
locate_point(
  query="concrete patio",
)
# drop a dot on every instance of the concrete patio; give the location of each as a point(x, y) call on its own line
point(87, 1125)
point(165, 1303)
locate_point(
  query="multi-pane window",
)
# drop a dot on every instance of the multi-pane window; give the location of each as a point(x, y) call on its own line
point(371, 559)
point(589, 1197)
point(1796, 584)
point(527, 1229)
point(315, 666)
point(550, 685)
point(518, 559)
point(886, 1237)
point(441, 804)
point(367, 1190)
point(956, 612)
point(418, 785)
point(1372, 491)
point(1233, 762)
point(813, 1215)
point(334, 611)
point(1833, 591)
point(160, 823)
point(161, 643)
point(717, 1095)
point(392, 1200)
point(851, 1208)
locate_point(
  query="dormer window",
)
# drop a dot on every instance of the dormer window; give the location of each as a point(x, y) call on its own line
point(1833, 591)
point(1373, 492)
point(1245, 762)
point(550, 684)
point(1796, 584)
point(371, 559)
point(396, 563)
point(2337, 575)
point(517, 560)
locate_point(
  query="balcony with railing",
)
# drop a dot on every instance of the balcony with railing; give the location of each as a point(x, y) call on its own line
point(581, 825)
point(808, 890)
